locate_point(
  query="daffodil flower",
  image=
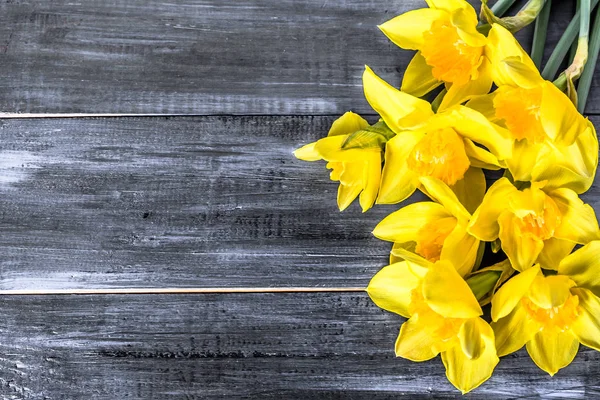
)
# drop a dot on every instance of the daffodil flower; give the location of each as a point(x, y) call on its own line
point(551, 314)
point(449, 50)
point(358, 170)
point(552, 141)
point(533, 224)
point(439, 145)
point(434, 230)
point(443, 318)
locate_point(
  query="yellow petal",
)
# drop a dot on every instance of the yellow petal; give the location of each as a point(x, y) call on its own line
point(372, 178)
point(409, 247)
point(587, 325)
point(458, 94)
point(307, 153)
point(448, 294)
point(484, 105)
point(578, 223)
point(484, 223)
point(552, 350)
point(418, 79)
point(402, 225)
point(406, 30)
point(464, 372)
point(391, 288)
point(522, 249)
point(330, 149)
point(460, 249)
point(399, 110)
point(525, 158)
point(559, 117)
point(550, 291)
point(509, 295)
point(470, 190)
point(553, 252)
point(416, 262)
point(465, 19)
point(474, 126)
point(449, 5)
point(347, 123)
point(347, 194)
point(441, 193)
point(513, 331)
point(521, 74)
point(415, 342)
point(398, 181)
point(480, 157)
point(583, 266)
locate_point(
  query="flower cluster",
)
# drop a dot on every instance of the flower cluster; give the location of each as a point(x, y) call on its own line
point(545, 295)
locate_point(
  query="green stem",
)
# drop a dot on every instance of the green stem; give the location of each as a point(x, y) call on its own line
point(563, 45)
point(539, 34)
point(502, 6)
point(583, 89)
point(574, 45)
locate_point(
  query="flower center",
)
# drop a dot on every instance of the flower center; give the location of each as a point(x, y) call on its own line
point(451, 59)
point(440, 154)
point(540, 219)
point(431, 237)
point(520, 110)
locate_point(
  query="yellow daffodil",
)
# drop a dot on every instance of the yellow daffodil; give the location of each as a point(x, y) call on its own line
point(433, 230)
point(443, 318)
point(449, 50)
point(552, 141)
point(439, 145)
point(533, 224)
point(358, 169)
point(551, 314)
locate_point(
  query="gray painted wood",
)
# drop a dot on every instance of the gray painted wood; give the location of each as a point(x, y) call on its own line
point(237, 346)
point(201, 56)
point(164, 202)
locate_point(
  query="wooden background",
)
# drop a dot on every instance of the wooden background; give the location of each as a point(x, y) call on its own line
point(148, 144)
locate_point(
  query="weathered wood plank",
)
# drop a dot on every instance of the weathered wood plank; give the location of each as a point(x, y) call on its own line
point(201, 56)
point(178, 202)
point(237, 346)
point(160, 202)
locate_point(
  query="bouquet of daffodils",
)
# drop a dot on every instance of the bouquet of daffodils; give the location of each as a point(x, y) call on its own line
point(495, 111)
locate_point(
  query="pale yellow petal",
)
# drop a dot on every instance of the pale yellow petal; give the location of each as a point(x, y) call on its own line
point(460, 249)
point(458, 94)
point(441, 193)
point(464, 372)
point(448, 294)
point(480, 157)
point(587, 325)
point(398, 182)
point(406, 30)
point(522, 249)
point(583, 266)
point(307, 153)
point(509, 294)
point(418, 79)
point(513, 331)
point(552, 350)
point(470, 190)
point(578, 222)
point(402, 225)
point(347, 123)
point(417, 263)
point(484, 223)
point(415, 342)
point(399, 110)
point(391, 288)
point(553, 252)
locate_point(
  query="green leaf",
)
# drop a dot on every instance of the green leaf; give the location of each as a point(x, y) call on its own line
point(372, 136)
point(483, 283)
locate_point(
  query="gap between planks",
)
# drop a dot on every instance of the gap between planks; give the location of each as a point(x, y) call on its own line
point(214, 290)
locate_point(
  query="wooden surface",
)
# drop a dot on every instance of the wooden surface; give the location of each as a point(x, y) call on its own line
point(210, 199)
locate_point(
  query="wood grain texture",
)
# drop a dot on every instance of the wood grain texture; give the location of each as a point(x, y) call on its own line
point(237, 346)
point(175, 202)
point(202, 56)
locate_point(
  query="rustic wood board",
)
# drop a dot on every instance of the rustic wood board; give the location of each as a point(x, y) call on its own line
point(234, 346)
point(202, 56)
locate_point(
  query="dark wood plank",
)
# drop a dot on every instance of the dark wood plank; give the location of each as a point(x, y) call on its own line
point(161, 202)
point(237, 346)
point(201, 56)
